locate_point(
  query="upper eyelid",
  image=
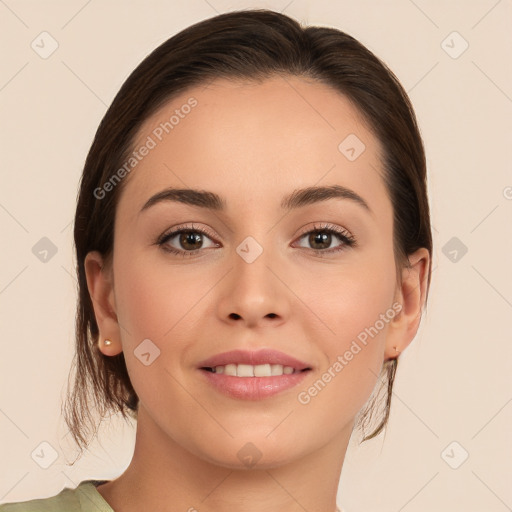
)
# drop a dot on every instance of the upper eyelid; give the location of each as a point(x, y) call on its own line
point(325, 226)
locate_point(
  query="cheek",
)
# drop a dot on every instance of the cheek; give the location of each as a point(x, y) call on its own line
point(153, 300)
point(353, 309)
point(159, 303)
point(351, 298)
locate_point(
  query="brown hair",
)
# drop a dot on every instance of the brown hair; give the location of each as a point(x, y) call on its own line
point(246, 45)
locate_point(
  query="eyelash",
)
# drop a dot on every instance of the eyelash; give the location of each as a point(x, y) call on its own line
point(347, 239)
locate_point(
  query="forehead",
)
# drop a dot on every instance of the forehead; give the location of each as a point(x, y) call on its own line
point(252, 142)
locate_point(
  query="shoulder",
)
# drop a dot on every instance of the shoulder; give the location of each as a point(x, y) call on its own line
point(67, 499)
point(83, 498)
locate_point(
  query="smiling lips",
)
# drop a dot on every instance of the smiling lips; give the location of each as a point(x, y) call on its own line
point(263, 357)
point(249, 370)
point(271, 372)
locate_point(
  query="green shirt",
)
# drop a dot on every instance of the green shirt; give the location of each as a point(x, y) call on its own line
point(85, 498)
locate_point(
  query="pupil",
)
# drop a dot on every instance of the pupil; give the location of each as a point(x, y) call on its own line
point(188, 238)
point(320, 238)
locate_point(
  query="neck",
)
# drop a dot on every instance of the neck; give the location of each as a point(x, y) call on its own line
point(163, 471)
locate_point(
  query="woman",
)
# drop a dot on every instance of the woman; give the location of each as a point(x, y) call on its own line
point(253, 252)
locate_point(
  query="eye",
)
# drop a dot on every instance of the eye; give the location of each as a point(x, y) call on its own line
point(188, 239)
point(322, 237)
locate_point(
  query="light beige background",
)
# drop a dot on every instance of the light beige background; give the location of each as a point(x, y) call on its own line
point(453, 382)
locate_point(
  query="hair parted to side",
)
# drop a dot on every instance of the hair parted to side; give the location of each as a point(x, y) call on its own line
point(241, 45)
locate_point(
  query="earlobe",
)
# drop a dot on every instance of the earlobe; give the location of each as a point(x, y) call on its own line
point(99, 284)
point(411, 295)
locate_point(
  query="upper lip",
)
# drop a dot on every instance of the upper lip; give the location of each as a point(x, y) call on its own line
point(264, 356)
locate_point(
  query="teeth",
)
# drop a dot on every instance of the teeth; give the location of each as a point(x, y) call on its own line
point(249, 370)
point(244, 370)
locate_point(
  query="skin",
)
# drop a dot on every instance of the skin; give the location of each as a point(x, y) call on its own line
point(252, 144)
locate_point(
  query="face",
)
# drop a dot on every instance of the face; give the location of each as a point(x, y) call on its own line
point(314, 279)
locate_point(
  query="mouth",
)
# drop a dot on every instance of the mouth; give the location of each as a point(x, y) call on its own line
point(261, 363)
point(249, 370)
point(248, 375)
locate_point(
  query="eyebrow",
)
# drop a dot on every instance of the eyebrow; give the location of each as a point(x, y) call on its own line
point(297, 199)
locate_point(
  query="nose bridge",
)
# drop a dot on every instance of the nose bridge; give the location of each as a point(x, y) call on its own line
point(253, 292)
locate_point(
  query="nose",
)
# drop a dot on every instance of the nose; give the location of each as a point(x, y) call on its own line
point(254, 294)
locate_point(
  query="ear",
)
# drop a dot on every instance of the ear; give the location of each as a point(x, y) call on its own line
point(411, 295)
point(101, 290)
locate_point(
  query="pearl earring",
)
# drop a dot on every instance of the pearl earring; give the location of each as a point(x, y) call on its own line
point(107, 343)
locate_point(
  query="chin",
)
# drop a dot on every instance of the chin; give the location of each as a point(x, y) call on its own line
point(257, 452)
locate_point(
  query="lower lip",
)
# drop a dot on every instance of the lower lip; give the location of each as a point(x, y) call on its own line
point(253, 388)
